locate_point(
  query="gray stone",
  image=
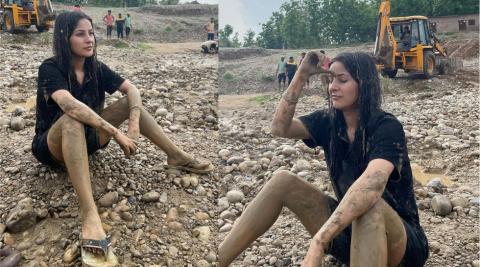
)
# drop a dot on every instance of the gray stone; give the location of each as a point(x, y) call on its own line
point(459, 202)
point(108, 199)
point(436, 185)
point(21, 217)
point(17, 124)
point(222, 204)
point(288, 150)
point(475, 201)
point(225, 228)
point(235, 160)
point(441, 205)
point(151, 196)
point(235, 196)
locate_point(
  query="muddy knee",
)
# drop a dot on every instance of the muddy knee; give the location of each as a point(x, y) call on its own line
point(372, 218)
point(72, 127)
point(282, 179)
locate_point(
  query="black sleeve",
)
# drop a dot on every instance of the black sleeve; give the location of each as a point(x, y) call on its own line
point(110, 81)
point(318, 125)
point(388, 142)
point(50, 79)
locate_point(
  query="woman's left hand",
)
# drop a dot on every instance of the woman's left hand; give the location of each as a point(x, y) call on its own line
point(314, 255)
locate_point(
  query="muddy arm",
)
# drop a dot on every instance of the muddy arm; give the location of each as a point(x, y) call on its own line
point(283, 124)
point(359, 199)
point(135, 106)
point(81, 112)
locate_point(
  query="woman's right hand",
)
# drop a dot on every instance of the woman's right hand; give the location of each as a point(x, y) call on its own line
point(128, 145)
point(312, 64)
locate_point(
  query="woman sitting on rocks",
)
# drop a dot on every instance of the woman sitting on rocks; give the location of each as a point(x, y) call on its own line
point(374, 220)
point(71, 122)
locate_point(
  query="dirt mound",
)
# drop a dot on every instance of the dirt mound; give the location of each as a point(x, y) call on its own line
point(237, 53)
point(462, 45)
point(182, 10)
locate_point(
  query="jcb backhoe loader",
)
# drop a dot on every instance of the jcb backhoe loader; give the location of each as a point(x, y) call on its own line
point(408, 43)
point(18, 14)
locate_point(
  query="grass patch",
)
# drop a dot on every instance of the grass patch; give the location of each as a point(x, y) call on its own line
point(265, 77)
point(261, 99)
point(168, 29)
point(144, 46)
point(229, 77)
point(120, 45)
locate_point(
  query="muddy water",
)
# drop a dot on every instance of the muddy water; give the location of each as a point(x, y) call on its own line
point(423, 177)
point(29, 104)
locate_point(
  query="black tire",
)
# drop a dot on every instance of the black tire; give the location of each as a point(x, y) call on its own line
point(444, 67)
point(389, 73)
point(428, 64)
point(8, 23)
point(42, 28)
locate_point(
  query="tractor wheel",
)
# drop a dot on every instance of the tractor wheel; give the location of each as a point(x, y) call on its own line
point(389, 73)
point(8, 23)
point(42, 28)
point(428, 64)
point(444, 67)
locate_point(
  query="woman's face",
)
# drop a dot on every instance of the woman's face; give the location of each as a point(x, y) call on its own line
point(343, 88)
point(82, 40)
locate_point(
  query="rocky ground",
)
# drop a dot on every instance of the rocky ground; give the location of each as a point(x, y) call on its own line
point(440, 118)
point(157, 217)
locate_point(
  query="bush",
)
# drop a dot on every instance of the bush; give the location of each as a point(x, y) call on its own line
point(168, 29)
point(228, 77)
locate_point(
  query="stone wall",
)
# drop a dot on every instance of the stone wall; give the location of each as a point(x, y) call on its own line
point(453, 23)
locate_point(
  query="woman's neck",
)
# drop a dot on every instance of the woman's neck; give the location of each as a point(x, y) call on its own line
point(351, 118)
point(78, 63)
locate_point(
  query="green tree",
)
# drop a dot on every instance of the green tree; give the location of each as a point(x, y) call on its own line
point(224, 35)
point(236, 40)
point(249, 39)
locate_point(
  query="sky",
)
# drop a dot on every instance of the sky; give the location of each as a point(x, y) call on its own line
point(246, 14)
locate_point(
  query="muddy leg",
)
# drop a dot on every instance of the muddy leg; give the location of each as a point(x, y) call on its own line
point(378, 238)
point(66, 142)
point(118, 112)
point(284, 190)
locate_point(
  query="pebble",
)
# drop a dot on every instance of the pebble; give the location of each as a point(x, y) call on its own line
point(151, 196)
point(441, 205)
point(108, 199)
point(202, 233)
point(21, 217)
point(17, 123)
point(235, 196)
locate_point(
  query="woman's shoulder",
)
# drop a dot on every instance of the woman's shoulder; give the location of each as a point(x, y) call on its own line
point(49, 67)
point(383, 119)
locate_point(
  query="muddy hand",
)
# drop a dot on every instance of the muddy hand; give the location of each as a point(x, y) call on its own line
point(312, 64)
point(127, 144)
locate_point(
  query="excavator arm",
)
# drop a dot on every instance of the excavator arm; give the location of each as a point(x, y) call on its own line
point(385, 43)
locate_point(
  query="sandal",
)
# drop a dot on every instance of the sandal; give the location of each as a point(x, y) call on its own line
point(192, 166)
point(92, 259)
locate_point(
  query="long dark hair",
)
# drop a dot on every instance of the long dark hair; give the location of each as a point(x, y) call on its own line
point(65, 24)
point(361, 67)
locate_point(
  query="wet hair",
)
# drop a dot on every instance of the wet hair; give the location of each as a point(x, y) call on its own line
point(65, 24)
point(120, 15)
point(109, 11)
point(361, 67)
point(303, 53)
point(322, 51)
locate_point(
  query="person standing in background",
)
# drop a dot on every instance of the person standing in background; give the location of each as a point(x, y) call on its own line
point(120, 22)
point(302, 56)
point(291, 67)
point(109, 19)
point(128, 25)
point(281, 73)
point(210, 28)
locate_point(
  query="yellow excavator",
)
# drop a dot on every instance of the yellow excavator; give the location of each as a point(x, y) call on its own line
point(21, 14)
point(408, 43)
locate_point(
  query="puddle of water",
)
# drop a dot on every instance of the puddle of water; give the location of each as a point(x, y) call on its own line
point(29, 104)
point(423, 177)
